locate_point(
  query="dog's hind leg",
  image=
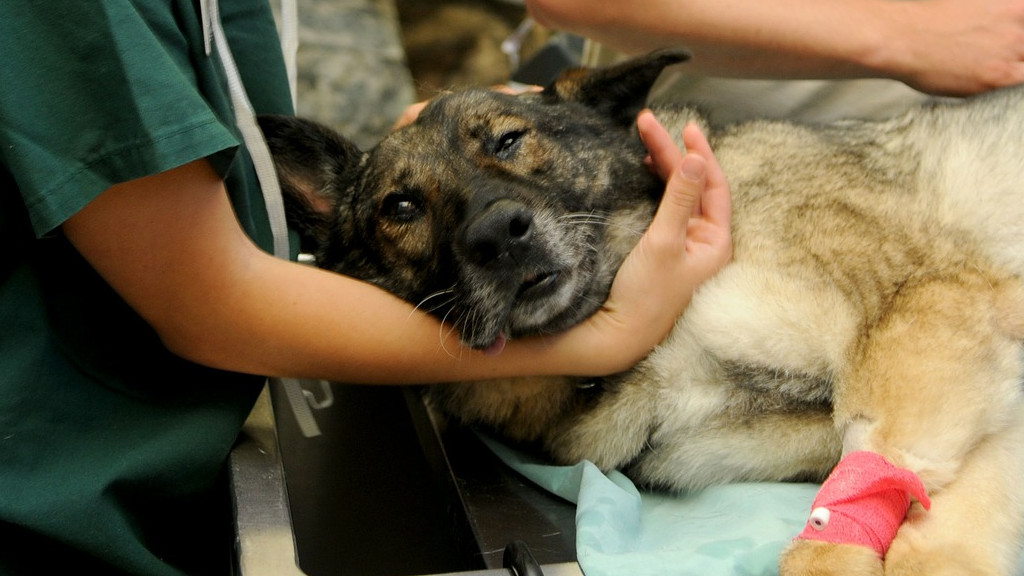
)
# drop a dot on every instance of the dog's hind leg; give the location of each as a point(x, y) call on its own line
point(932, 386)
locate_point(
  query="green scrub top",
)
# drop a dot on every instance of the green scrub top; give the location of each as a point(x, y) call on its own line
point(113, 450)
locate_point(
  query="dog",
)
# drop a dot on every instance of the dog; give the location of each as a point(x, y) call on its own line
point(874, 302)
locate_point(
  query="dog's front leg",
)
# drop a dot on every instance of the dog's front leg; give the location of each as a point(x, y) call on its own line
point(930, 407)
point(981, 509)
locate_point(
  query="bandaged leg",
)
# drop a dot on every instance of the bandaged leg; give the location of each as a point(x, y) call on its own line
point(927, 387)
point(863, 502)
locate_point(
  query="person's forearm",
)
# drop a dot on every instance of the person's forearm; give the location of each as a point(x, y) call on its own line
point(323, 325)
point(748, 38)
point(940, 46)
point(169, 244)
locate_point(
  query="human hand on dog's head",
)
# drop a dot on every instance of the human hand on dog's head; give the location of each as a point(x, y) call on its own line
point(687, 242)
point(408, 116)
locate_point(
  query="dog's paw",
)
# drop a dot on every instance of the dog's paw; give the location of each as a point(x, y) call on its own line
point(815, 558)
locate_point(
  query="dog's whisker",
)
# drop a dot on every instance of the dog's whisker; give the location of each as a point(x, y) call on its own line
point(586, 216)
point(439, 293)
point(439, 305)
point(443, 336)
point(593, 218)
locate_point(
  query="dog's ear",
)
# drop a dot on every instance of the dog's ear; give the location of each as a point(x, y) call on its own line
point(311, 162)
point(618, 91)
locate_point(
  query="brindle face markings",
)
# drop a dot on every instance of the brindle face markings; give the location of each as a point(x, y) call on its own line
point(473, 209)
point(470, 201)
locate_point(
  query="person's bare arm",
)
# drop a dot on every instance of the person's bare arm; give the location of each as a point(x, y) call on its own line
point(938, 46)
point(171, 246)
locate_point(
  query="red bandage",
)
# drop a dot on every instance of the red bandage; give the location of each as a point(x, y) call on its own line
point(863, 502)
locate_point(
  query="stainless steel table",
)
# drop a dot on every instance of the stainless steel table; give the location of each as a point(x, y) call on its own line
point(381, 489)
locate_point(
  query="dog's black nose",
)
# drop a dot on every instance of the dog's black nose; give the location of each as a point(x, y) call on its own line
point(503, 229)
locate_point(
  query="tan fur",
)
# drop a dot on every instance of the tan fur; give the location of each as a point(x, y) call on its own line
point(813, 558)
point(893, 272)
point(875, 299)
point(525, 408)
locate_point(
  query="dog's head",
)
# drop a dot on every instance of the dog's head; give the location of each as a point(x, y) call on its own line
point(505, 215)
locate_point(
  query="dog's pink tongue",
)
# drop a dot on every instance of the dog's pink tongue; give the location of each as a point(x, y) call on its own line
point(497, 346)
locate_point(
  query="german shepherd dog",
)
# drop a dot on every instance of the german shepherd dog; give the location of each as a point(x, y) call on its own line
point(874, 303)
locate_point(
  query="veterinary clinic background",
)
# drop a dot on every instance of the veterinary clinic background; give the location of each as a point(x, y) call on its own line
point(141, 311)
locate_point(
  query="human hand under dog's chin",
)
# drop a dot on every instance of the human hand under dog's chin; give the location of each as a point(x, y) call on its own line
point(687, 242)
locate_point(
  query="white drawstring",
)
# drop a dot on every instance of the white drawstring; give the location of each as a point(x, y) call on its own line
point(263, 162)
point(204, 13)
point(290, 43)
point(245, 118)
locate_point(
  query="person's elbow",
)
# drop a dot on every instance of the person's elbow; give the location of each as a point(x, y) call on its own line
point(212, 321)
point(185, 336)
point(201, 347)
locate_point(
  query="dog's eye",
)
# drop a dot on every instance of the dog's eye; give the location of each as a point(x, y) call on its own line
point(508, 143)
point(401, 207)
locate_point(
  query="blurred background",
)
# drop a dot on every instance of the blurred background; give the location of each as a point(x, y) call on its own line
point(361, 62)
